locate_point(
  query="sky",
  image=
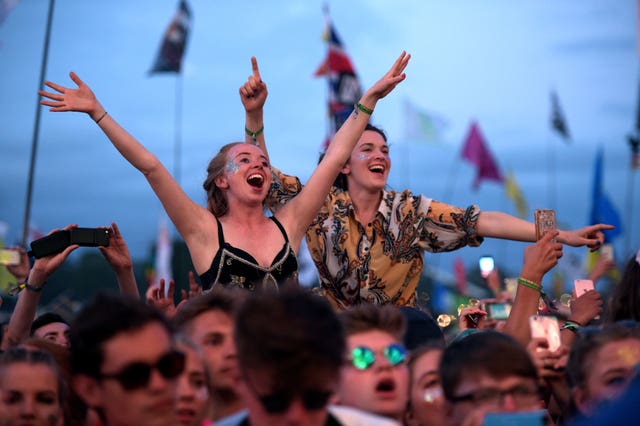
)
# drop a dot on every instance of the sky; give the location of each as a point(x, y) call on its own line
point(494, 61)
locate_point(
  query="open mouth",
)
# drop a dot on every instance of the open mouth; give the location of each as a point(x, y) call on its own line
point(386, 385)
point(377, 169)
point(256, 180)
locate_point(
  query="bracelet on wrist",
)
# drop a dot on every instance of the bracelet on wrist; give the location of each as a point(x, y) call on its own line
point(254, 135)
point(364, 109)
point(33, 288)
point(571, 326)
point(527, 283)
point(101, 117)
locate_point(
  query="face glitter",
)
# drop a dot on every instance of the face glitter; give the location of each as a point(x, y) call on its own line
point(232, 167)
point(363, 156)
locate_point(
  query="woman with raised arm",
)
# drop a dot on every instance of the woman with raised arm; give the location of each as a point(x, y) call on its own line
point(232, 241)
point(368, 242)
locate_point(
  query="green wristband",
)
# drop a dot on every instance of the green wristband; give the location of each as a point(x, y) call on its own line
point(525, 282)
point(254, 135)
point(364, 109)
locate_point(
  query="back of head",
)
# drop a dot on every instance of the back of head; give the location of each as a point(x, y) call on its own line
point(367, 317)
point(421, 328)
point(489, 353)
point(292, 336)
point(102, 319)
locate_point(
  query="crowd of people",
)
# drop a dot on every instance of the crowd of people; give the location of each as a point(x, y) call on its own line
point(249, 346)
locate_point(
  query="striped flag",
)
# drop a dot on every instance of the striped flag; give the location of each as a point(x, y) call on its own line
point(421, 125)
point(174, 42)
point(344, 87)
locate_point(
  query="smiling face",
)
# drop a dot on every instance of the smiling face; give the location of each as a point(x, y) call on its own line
point(382, 388)
point(246, 174)
point(369, 164)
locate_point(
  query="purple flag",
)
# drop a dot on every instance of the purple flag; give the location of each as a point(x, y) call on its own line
point(476, 152)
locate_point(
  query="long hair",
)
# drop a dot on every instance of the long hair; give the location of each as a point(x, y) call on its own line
point(216, 199)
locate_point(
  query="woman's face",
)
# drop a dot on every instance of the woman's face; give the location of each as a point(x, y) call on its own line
point(29, 395)
point(247, 174)
point(426, 394)
point(610, 370)
point(192, 403)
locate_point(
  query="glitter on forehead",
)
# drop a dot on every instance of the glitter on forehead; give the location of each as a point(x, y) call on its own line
point(232, 167)
point(630, 355)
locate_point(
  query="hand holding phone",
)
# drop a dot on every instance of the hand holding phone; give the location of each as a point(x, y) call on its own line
point(582, 286)
point(60, 240)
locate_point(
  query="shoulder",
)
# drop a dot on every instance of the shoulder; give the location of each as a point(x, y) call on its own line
point(349, 416)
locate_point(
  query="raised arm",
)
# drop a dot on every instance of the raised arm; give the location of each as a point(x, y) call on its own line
point(119, 258)
point(505, 226)
point(300, 211)
point(186, 215)
point(27, 305)
point(253, 95)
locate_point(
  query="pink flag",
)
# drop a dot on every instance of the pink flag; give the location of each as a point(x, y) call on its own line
point(461, 276)
point(476, 152)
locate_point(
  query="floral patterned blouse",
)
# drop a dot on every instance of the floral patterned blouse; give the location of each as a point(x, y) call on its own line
point(378, 262)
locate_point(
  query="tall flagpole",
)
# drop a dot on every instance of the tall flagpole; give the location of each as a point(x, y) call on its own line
point(36, 129)
point(177, 149)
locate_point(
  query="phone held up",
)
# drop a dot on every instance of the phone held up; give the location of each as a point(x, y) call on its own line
point(545, 220)
point(60, 240)
point(9, 257)
point(486, 265)
point(546, 327)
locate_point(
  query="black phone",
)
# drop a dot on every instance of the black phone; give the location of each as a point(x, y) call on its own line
point(60, 240)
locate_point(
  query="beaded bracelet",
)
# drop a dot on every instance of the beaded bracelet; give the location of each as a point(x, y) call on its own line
point(254, 135)
point(364, 109)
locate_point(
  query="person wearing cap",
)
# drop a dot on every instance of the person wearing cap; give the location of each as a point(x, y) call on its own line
point(51, 326)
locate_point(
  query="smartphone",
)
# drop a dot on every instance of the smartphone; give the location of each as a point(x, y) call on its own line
point(486, 264)
point(60, 240)
point(582, 286)
point(9, 257)
point(545, 220)
point(546, 327)
point(606, 251)
point(498, 310)
point(523, 418)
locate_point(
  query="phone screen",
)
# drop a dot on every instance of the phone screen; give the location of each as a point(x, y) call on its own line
point(499, 311)
point(486, 265)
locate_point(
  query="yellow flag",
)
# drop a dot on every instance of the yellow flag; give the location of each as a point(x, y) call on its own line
point(514, 193)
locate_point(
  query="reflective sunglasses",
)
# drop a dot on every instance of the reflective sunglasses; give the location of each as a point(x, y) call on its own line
point(279, 402)
point(137, 374)
point(363, 357)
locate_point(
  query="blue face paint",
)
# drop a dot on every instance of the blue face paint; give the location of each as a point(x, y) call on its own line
point(363, 156)
point(232, 167)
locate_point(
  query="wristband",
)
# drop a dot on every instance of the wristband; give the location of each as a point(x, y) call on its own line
point(525, 282)
point(33, 288)
point(254, 135)
point(571, 326)
point(364, 109)
point(101, 117)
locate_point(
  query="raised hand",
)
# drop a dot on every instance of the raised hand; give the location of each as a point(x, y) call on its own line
point(391, 79)
point(117, 252)
point(81, 99)
point(253, 93)
point(164, 303)
point(540, 257)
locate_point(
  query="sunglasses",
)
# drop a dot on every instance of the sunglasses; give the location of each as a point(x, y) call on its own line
point(137, 374)
point(279, 402)
point(363, 357)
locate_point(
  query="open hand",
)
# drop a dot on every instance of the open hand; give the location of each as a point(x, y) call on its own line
point(391, 79)
point(81, 99)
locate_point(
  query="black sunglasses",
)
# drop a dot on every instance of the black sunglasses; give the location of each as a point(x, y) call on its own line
point(279, 402)
point(137, 374)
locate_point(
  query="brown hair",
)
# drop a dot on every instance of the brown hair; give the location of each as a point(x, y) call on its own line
point(367, 317)
point(216, 199)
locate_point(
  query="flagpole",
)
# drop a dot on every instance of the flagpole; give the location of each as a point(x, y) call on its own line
point(551, 162)
point(36, 128)
point(177, 148)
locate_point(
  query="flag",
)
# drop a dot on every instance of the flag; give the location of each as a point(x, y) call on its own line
point(602, 209)
point(558, 122)
point(174, 42)
point(162, 268)
point(344, 88)
point(513, 192)
point(422, 125)
point(5, 8)
point(476, 152)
